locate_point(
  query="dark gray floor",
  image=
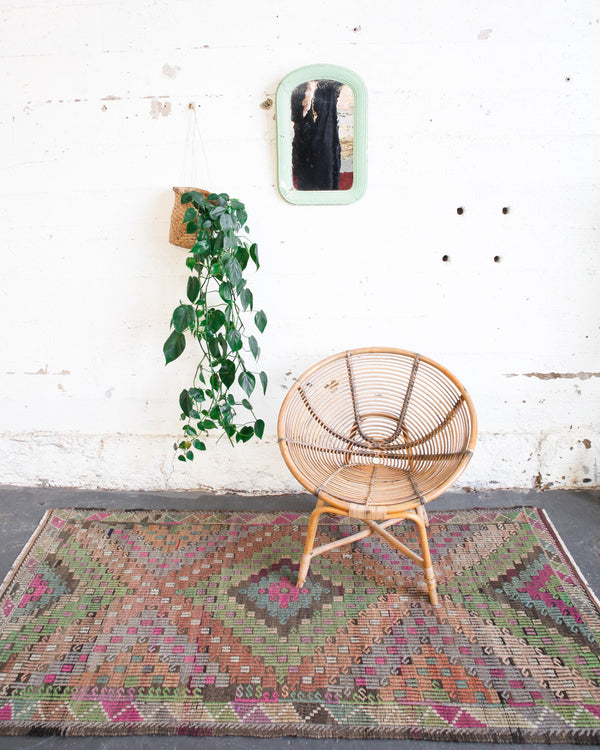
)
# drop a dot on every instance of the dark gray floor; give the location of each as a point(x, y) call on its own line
point(576, 516)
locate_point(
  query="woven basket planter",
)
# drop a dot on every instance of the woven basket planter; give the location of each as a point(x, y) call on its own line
point(177, 232)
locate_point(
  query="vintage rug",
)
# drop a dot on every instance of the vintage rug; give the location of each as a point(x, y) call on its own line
point(172, 622)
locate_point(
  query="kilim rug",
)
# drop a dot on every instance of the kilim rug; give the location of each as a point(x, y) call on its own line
point(171, 622)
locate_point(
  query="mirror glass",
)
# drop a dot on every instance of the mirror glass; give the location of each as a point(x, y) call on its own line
point(322, 120)
point(321, 129)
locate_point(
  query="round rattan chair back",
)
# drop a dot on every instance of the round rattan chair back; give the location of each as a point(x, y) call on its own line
point(377, 427)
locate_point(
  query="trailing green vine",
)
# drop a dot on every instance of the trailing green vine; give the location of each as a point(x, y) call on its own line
point(218, 300)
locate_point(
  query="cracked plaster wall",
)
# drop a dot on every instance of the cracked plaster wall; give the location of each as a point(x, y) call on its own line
point(484, 106)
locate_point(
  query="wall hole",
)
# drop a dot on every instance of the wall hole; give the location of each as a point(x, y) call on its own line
point(505, 210)
point(497, 259)
point(460, 210)
point(445, 258)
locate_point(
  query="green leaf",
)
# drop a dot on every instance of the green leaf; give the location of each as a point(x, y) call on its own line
point(247, 404)
point(197, 198)
point(196, 394)
point(246, 299)
point(234, 339)
point(254, 254)
point(217, 211)
point(217, 243)
point(186, 197)
point(226, 414)
point(264, 381)
point(190, 455)
point(184, 317)
point(225, 292)
point(213, 348)
point(229, 430)
point(199, 445)
point(261, 320)
point(193, 288)
point(173, 346)
point(185, 402)
point(242, 256)
point(190, 214)
point(254, 347)
point(201, 247)
point(259, 428)
point(214, 319)
point(233, 271)
point(191, 227)
point(247, 382)
point(226, 221)
point(181, 458)
point(244, 434)
point(189, 430)
point(227, 373)
point(223, 344)
point(208, 424)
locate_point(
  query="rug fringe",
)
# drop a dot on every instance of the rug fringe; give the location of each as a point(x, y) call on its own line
point(500, 735)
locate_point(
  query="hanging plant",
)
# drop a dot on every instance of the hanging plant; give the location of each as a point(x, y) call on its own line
point(218, 302)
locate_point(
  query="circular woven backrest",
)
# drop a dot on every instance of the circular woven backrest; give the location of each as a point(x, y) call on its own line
point(377, 427)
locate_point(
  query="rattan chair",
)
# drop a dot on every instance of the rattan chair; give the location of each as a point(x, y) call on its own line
point(375, 434)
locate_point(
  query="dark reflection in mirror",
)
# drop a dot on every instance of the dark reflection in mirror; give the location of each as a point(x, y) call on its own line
point(323, 135)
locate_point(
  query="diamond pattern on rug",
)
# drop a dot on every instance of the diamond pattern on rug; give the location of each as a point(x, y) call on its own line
point(158, 622)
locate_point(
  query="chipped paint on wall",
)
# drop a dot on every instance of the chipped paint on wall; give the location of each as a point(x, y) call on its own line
point(556, 375)
point(159, 109)
point(170, 70)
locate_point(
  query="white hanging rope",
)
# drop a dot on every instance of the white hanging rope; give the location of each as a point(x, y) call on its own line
point(194, 147)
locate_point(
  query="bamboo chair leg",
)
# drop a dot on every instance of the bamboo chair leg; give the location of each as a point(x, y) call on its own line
point(427, 566)
point(310, 541)
point(422, 513)
point(419, 518)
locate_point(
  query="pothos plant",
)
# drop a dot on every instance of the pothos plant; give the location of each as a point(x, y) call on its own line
point(218, 302)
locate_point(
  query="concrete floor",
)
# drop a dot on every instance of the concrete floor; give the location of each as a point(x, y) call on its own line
point(576, 515)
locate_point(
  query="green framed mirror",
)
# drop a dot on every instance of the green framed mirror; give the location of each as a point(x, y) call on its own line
point(322, 135)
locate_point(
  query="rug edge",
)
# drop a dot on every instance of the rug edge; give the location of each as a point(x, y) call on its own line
point(566, 552)
point(14, 569)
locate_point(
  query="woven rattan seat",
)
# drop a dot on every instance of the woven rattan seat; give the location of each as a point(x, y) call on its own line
point(375, 434)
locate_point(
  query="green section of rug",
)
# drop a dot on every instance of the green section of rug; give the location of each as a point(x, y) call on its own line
point(171, 622)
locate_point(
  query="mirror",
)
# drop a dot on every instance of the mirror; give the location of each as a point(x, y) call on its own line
point(321, 135)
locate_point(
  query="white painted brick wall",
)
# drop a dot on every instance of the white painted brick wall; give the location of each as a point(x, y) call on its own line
point(476, 104)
